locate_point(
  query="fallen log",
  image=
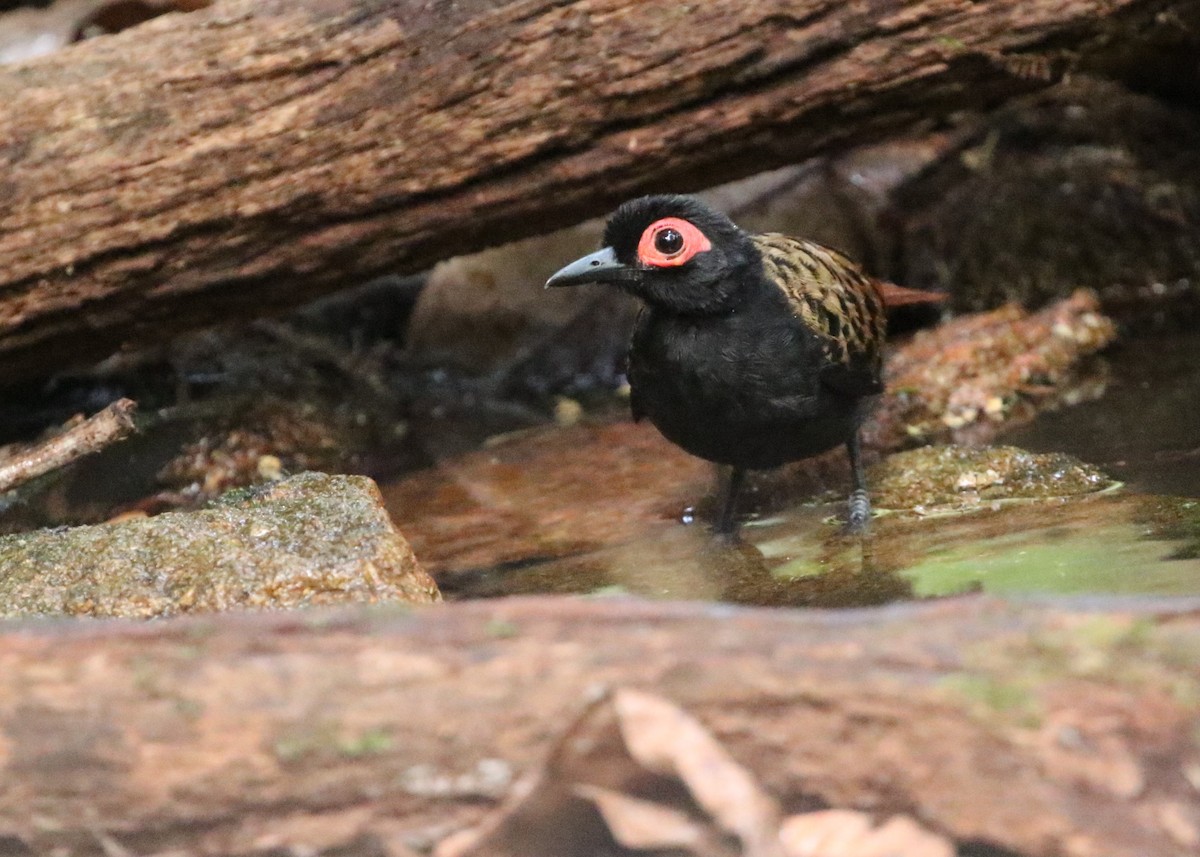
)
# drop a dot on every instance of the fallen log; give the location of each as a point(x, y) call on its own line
point(1038, 729)
point(245, 157)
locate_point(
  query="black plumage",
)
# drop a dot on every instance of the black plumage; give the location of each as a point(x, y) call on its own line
point(752, 350)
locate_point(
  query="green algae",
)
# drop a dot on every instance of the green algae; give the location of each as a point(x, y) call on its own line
point(1006, 682)
point(328, 740)
point(1117, 544)
point(992, 696)
point(312, 539)
point(501, 629)
point(1113, 560)
point(1033, 524)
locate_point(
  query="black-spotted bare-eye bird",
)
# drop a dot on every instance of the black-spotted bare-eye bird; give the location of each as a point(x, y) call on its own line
point(753, 350)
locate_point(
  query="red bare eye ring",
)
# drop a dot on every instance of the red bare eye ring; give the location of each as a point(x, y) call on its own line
point(670, 242)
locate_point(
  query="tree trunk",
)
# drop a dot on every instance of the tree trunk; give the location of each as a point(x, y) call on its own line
point(1042, 730)
point(245, 157)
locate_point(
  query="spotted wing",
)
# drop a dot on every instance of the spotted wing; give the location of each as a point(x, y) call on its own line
point(834, 299)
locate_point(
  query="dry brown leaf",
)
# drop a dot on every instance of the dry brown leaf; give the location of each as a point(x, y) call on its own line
point(30, 32)
point(644, 825)
point(844, 833)
point(820, 834)
point(618, 778)
point(603, 789)
point(543, 816)
point(666, 740)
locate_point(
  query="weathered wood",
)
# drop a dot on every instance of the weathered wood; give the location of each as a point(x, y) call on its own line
point(78, 439)
point(1046, 731)
point(244, 157)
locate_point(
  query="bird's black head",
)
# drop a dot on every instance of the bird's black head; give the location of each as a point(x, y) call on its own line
point(673, 252)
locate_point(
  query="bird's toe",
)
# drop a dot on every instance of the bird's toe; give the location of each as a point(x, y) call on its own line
point(860, 511)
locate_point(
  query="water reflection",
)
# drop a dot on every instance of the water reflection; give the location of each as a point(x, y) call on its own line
point(774, 564)
point(1112, 543)
point(1144, 430)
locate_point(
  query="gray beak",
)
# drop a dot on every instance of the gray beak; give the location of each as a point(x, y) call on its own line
point(599, 267)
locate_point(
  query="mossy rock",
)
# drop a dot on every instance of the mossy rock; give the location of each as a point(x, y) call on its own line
point(312, 539)
point(961, 476)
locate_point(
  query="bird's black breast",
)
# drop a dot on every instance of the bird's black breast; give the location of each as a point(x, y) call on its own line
point(742, 389)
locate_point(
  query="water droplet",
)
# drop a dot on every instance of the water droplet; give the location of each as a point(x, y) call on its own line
point(689, 515)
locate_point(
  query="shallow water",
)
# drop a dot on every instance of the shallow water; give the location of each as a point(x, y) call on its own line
point(1143, 538)
point(1145, 429)
point(1116, 543)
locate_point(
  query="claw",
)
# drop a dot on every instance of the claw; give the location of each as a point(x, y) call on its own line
point(860, 511)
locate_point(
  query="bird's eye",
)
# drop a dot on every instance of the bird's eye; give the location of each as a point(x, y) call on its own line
point(668, 242)
point(671, 242)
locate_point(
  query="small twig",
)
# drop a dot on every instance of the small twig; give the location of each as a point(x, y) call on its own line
point(112, 424)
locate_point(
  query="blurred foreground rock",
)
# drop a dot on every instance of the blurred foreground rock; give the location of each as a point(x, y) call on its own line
point(1045, 731)
point(308, 540)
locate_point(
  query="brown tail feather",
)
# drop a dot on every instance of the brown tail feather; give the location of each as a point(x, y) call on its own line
point(898, 296)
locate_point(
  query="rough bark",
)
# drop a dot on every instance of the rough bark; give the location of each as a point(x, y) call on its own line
point(1045, 731)
point(244, 157)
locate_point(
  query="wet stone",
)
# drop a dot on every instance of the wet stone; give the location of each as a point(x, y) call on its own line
point(313, 539)
point(545, 493)
point(977, 375)
point(601, 509)
point(957, 476)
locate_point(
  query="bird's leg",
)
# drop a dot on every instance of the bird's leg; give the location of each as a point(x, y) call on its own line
point(726, 526)
point(860, 502)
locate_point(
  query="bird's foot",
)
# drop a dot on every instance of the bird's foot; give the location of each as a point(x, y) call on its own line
point(860, 511)
point(725, 535)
